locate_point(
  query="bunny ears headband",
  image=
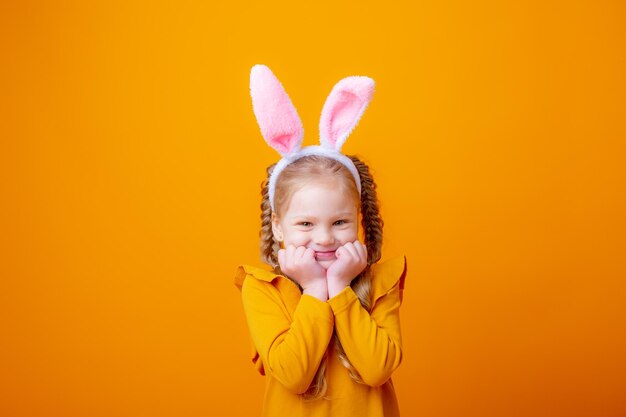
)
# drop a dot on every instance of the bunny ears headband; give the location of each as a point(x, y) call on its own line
point(282, 129)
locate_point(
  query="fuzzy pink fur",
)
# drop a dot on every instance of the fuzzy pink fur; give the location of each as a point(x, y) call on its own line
point(275, 113)
point(343, 108)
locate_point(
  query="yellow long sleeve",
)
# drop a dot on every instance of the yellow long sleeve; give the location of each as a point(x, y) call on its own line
point(291, 348)
point(372, 342)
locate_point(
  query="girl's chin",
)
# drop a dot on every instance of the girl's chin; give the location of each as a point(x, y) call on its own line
point(326, 263)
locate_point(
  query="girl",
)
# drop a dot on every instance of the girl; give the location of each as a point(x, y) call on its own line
point(324, 322)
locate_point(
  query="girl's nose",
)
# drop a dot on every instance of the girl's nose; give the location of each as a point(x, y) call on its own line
point(324, 237)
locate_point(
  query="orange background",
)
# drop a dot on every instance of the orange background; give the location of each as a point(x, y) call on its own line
point(130, 171)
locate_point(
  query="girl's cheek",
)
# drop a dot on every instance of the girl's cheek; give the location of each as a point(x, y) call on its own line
point(349, 235)
point(300, 239)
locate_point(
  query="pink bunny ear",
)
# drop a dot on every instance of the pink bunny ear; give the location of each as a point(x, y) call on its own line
point(343, 108)
point(277, 117)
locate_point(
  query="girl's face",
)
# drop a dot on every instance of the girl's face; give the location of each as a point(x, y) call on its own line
point(321, 216)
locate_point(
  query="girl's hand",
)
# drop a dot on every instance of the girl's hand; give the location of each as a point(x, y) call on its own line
point(301, 266)
point(351, 261)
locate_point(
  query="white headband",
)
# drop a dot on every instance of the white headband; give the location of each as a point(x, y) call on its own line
point(282, 129)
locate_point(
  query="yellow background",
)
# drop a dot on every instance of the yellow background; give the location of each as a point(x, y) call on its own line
point(130, 171)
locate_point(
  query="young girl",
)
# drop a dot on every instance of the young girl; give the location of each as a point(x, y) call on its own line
point(324, 322)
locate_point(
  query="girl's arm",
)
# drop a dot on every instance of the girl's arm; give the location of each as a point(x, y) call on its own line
point(372, 341)
point(291, 350)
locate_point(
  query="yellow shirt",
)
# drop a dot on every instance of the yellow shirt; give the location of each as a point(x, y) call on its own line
point(290, 333)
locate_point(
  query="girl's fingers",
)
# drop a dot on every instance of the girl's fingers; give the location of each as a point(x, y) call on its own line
point(351, 250)
point(289, 255)
point(361, 249)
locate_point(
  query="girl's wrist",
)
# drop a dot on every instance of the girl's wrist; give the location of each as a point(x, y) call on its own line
point(317, 290)
point(335, 288)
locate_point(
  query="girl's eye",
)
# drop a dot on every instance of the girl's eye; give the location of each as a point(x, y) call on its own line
point(307, 224)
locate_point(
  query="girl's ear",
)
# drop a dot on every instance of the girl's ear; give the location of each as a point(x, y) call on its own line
point(277, 117)
point(277, 229)
point(343, 108)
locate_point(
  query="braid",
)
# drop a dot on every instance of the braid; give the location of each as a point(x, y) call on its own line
point(269, 246)
point(372, 221)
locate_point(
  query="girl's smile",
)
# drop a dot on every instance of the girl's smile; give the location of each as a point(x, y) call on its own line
point(325, 255)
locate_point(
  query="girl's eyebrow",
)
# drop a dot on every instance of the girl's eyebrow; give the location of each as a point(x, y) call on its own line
point(310, 216)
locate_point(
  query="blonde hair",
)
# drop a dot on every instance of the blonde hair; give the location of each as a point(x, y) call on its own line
point(293, 177)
